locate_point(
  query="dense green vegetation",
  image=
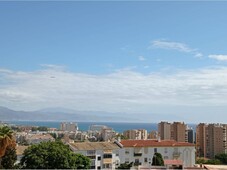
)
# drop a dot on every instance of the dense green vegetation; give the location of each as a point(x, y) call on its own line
point(220, 159)
point(53, 155)
point(125, 166)
point(40, 128)
point(9, 158)
point(157, 160)
point(7, 146)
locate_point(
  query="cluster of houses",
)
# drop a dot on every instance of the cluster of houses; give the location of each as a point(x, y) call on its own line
point(138, 152)
point(110, 155)
point(106, 153)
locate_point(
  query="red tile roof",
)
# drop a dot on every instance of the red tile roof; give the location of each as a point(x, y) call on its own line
point(153, 143)
point(173, 162)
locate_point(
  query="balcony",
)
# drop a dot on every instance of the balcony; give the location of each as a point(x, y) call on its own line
point(137, 163)
point(137, 154)
point(107, 161)
point(176, 154)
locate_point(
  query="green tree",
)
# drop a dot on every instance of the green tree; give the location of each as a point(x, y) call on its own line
point(157, 160)
point(125, 166)
point(6, 139)
point(222, 157)
point(9, 159)
point(53, 155)
point(42, 128)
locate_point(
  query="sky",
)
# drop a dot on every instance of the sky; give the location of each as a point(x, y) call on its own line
point(166, 60)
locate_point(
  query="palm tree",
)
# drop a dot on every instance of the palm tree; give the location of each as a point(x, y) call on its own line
point(6, 139)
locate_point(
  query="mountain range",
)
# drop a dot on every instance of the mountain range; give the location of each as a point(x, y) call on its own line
point(62, 114)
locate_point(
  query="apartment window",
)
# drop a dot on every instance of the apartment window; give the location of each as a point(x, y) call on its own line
point(91, 152)
point(155, 150)
point(99, 167)
point(166, 150)
point(107, 156)
point(127, 160)
point(92, 157)
point(117, 153)
point(106, 166)
point(137, 161)
point(145, 159)
point(126, 151)
point(99, 158)
point(93, 163)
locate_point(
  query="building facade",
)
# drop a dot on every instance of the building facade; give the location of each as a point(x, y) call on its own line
point(136, 134)
point(173, 131)
point(103, 155)
point(107, 155)
point(211, 140)
point(141, 152)
point(69, 126)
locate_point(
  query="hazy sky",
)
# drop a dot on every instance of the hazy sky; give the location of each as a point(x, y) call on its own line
point(167, 60)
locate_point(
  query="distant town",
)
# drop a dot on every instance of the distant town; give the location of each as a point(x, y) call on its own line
point(179, 145)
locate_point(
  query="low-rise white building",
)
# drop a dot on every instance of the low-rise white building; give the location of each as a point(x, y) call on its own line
point(37, 138)
point(141, 152)
point(103, 155)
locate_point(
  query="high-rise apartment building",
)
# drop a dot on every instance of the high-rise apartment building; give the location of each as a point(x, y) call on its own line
point(190, 135)
point(179, 132)
point(201, 139)
point(164, 130)
point(211, 139)
point(173, 131)
point(135, 134)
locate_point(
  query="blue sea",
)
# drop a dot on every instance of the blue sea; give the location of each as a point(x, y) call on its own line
point(84, 126)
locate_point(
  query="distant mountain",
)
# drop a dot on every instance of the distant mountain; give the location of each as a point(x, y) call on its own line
point(61, 114)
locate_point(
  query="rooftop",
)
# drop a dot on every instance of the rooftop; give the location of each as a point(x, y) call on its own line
point(154, 143)
point(20, 149)
point(94, 146)
point(173, 162)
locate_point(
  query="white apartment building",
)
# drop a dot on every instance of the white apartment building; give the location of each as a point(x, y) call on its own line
point(103, 155)
point(69, 126)
point(141, 152)
point(38, 138)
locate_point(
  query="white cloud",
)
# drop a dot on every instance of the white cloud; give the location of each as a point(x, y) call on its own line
point(115, 92)
point(141, 58)
point(198, 55)
point(172, 46)
point(218, 57)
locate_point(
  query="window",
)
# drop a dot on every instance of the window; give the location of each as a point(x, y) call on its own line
point(99, 158)
point(137, 160)
point(106, 166)
point(166, 157)
point(166, 150)
point(99, 167)
point(145, 159)
point(117, 153)
point(126, 151)
point(155, 150)
point(127, 160)
point(91, 152)
point(93, 163)
point(92, 157)
point(107, 156)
